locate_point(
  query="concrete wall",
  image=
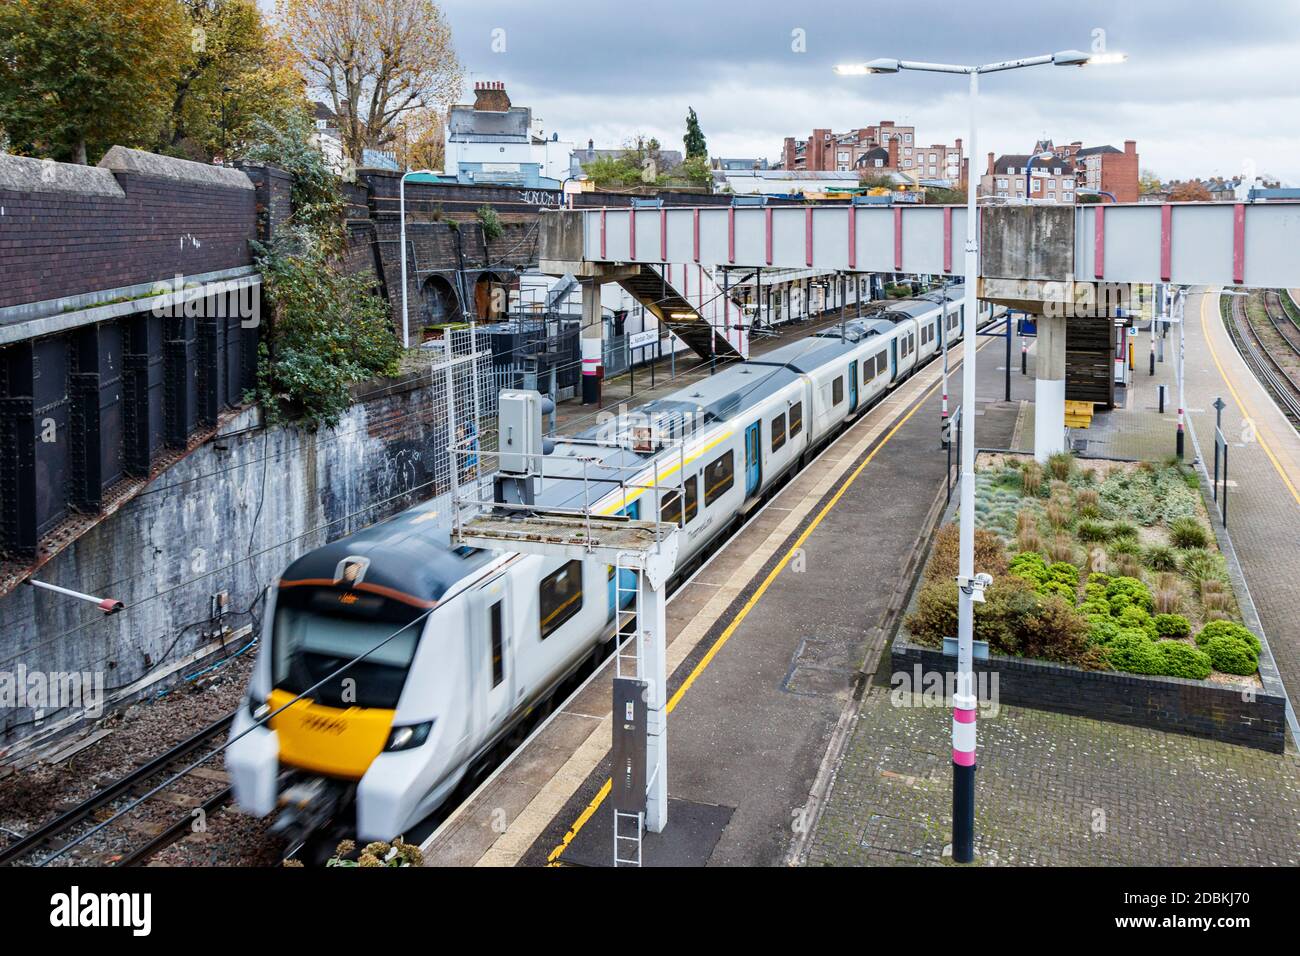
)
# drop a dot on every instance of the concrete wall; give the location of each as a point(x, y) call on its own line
point(228, 517)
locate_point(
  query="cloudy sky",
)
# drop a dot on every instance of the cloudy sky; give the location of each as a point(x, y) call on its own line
point(1209, 88)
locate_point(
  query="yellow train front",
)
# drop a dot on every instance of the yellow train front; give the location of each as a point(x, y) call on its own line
point(389, 734)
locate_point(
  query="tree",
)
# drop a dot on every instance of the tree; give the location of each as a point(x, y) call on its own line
point(316, 196)
point(1148, 182)
point(421, 145)
point(235, 72)
point(79, 76)
point(694, 138)
point(938, 196)
point(373, 60)
point(1190, 191)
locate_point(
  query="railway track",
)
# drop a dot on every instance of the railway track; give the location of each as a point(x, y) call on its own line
point(157, 823)
point(1281, 320)
point(1270, 373)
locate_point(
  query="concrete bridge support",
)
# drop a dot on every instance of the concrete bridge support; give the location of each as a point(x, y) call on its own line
point(592, 342)
point(1049, 388)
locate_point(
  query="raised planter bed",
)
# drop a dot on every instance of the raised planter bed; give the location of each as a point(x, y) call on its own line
point(1113, 598)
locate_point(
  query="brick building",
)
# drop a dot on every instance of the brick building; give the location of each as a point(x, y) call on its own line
point(873, 150)
point(1074, 166)
point(1051, 180)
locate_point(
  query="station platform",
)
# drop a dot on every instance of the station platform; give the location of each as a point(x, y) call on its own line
point(761, 690)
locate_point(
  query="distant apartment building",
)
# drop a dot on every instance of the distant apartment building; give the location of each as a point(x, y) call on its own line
point(873, 150)
point(1012, 177)
point(1101, 168)
point(492, 141)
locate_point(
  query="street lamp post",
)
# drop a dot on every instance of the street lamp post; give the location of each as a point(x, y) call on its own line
point(401, 207)
point(970, 585)
point(1028, 172)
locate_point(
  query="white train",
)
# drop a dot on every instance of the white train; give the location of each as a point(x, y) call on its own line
point(494, 634)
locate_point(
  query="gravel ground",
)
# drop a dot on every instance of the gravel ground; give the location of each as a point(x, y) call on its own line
point(140, 732)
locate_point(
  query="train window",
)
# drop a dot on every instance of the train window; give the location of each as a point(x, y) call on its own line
point(778, 431)
point(719, 477)
point(882, 363)
point(498, 640)
point(670, 509)
point(559, 596)
point(796, 418)
point(692, 498)
point(837, 390)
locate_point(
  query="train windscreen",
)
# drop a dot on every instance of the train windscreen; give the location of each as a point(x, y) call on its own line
point(318, 630)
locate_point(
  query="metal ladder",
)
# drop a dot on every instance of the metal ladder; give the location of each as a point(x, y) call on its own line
point(620, 838)
point(627, 612)
point(627, 659)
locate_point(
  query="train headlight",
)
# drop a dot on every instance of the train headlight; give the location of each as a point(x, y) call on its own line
point(412, 735)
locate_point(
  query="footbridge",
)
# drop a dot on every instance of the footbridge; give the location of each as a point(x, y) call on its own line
point(1068, 266)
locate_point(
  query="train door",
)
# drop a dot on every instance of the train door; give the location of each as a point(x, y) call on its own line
point(853, 386)
point(494, 637)
point(633, 511)
point(753, 458)
point(893, 360)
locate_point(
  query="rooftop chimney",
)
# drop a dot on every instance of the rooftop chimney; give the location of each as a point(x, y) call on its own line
point(1130, 146)
point(991, 164)
point(490, 96)
point(893, 152)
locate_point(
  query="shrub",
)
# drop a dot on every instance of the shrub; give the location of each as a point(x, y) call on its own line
point(1134, 652)
point(1134, 618)
point(1160, 557)
point(1231, 655)
point(1173, 625)
point(1215, 597)
point(1102, 629)
point(1123, 529)
point(1025, 523)
point(1062, 549)
point(1058, 514)
point(1188, 533)
point(1229, 629)
point(1124, 544)
point(1200, 566)
point(328, 330)
point(1183, 660)
point(1029, 541)
point(1098, 579)
point(1031, 479)
point(1168, 595)
point(935, 616)
point(1091, 531)
point(1131, 590)
point(1064, 573)
point(1060, 465)
point(1088, 497)
point(1029, 565)
point(1128, 566)
point(490, 221)
point(990, 553)
point(1054, 631)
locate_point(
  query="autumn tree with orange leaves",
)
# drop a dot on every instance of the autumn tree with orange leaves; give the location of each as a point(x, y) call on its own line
point(372, 61)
